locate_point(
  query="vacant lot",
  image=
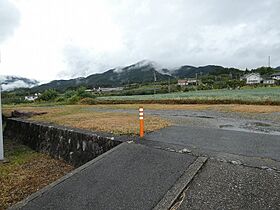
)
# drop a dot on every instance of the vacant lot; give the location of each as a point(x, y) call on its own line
point(80, 116)
point(26, 172)
point(123, 118)
point(261, 95)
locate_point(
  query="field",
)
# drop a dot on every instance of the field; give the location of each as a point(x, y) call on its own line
point(261, 95)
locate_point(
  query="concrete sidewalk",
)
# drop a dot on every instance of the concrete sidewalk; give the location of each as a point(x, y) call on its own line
point(130, 176)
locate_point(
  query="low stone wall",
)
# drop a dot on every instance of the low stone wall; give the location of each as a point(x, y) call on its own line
point(72, 145)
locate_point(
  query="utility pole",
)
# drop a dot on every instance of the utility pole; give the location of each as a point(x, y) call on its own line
point(155, 79)
point(169, 85)
point(269, 61)
point(1, 128)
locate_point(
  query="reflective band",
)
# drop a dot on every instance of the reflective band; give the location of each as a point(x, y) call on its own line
point(141, 118)
point(141, 109)
point(141, 114)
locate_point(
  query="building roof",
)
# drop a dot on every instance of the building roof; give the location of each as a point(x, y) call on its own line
point(252, 74)
point(276, 74)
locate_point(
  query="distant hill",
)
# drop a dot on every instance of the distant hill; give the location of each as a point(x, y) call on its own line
point(141, 72)
point(137, 73)
point(191, 71)
point(12, 82)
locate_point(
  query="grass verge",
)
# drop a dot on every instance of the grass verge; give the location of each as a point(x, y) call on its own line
point(26, 172)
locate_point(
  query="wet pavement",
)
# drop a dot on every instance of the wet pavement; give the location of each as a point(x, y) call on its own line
point(227, 186)
point(268, 123)
point(206, 140)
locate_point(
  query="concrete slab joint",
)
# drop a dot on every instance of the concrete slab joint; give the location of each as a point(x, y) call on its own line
point(174, 192)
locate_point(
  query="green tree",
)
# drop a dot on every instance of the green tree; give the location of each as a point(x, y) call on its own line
point(82, 93)
point(69, 93)
point(49, 95)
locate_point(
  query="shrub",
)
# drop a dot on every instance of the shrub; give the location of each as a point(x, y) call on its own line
point(88, 101)
point(69, 93)
point(74, 99)
point(81, 92)
point(60, 99)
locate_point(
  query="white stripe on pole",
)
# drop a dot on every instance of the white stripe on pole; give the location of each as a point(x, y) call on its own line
point(141, 110)
point(141, 114)
point(141, 118)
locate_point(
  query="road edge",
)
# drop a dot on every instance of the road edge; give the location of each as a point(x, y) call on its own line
point(174, 192)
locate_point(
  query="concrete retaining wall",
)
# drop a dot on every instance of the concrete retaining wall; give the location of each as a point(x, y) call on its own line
point(72, 145)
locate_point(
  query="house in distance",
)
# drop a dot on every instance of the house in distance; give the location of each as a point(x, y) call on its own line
point(252, 79)
point(256, 78)
point(186, 82)
point(276, 76)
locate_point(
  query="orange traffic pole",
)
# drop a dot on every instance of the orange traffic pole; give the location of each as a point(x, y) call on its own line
point(141, 118)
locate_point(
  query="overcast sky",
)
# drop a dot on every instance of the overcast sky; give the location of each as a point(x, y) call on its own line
point(51, 39)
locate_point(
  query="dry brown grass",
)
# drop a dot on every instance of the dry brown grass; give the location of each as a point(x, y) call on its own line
point(79, 117)
point(218, 107)
point(117, 123)
point(249, 108)
point(157, 106)
point(26, 173)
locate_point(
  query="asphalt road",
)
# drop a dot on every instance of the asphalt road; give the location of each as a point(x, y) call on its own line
point(131, 176)
point(227, 186)
point(220, 140)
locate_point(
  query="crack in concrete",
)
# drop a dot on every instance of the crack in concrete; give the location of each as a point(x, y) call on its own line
point(230, 161)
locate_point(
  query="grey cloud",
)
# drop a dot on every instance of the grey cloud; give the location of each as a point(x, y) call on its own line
point(9, 19)
point(235, 33)
point(81, 62)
